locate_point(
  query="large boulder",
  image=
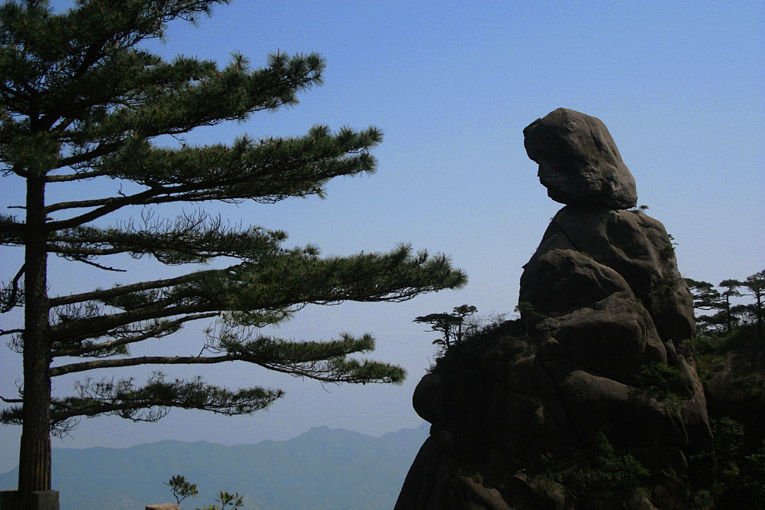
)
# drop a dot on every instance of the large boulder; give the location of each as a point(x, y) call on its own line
point(579, 162)
point(519, 426)
point(635, 246)
point(592, 393)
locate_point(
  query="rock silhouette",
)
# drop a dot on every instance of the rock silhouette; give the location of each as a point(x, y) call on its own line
point(579, 162)
point(589, 394)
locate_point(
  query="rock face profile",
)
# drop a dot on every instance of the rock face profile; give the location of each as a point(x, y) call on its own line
point(579, 163)
point(589, 400)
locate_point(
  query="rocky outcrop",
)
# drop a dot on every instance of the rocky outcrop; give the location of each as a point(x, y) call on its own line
point(579, 163)
point(590, 395)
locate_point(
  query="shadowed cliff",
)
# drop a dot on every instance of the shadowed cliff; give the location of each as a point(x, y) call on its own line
point(591, 399)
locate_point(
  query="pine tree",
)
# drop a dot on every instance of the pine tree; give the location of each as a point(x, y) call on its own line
point(451, 325)
point(728, 310)
point(706, 298)
point(756, 286)
point(83, 102)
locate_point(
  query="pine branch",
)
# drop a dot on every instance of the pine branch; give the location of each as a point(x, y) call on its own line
point(91, 349)
point(267, 172)
point(343, 371)
point(121, 398)
point(190, 238)
point(322, 361)
point(284, 283)
point(171, 99)
point(148, 403)
point(143, 360)
point(121, 290)
point(81, 157)
point(107, 206)
point(84, 260)
point(80, 176)
point(12, 295)
point(81, 204)
point(11, 231)
point(72, 45)
point(78, 330)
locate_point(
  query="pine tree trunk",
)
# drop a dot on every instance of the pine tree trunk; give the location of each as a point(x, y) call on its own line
point(36, 462)
point(35, 455)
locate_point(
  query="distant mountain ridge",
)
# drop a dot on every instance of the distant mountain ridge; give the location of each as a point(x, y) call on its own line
point(322, 469)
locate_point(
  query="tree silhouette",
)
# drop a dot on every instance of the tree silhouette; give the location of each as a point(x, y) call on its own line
point(86, 107)
point(450, 325)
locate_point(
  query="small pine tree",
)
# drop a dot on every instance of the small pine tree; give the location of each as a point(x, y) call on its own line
point(730, 291)
point(755, 284)
point(181, 488)
point(451, 325)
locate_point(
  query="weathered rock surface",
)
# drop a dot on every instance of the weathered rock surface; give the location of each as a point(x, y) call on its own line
point(579, 162)
point(573, 405)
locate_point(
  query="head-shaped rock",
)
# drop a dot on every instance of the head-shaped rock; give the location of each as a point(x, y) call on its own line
point(579, 163)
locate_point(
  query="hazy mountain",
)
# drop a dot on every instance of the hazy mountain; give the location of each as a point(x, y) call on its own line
point(323, 469)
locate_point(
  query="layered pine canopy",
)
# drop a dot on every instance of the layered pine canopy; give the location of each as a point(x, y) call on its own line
point(84, 102)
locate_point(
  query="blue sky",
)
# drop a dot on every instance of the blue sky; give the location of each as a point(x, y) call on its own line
point(452, 85)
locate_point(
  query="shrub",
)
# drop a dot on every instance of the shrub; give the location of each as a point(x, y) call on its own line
point(658, 379)
point(182, 489)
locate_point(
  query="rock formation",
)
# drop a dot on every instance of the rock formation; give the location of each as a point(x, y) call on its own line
point(579, 163)
point(589, 399)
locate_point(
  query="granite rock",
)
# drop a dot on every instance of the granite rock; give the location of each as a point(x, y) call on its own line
point(543, 412)
point(579, 162)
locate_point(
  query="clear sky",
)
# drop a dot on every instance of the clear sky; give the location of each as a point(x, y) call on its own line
point(452, 84)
